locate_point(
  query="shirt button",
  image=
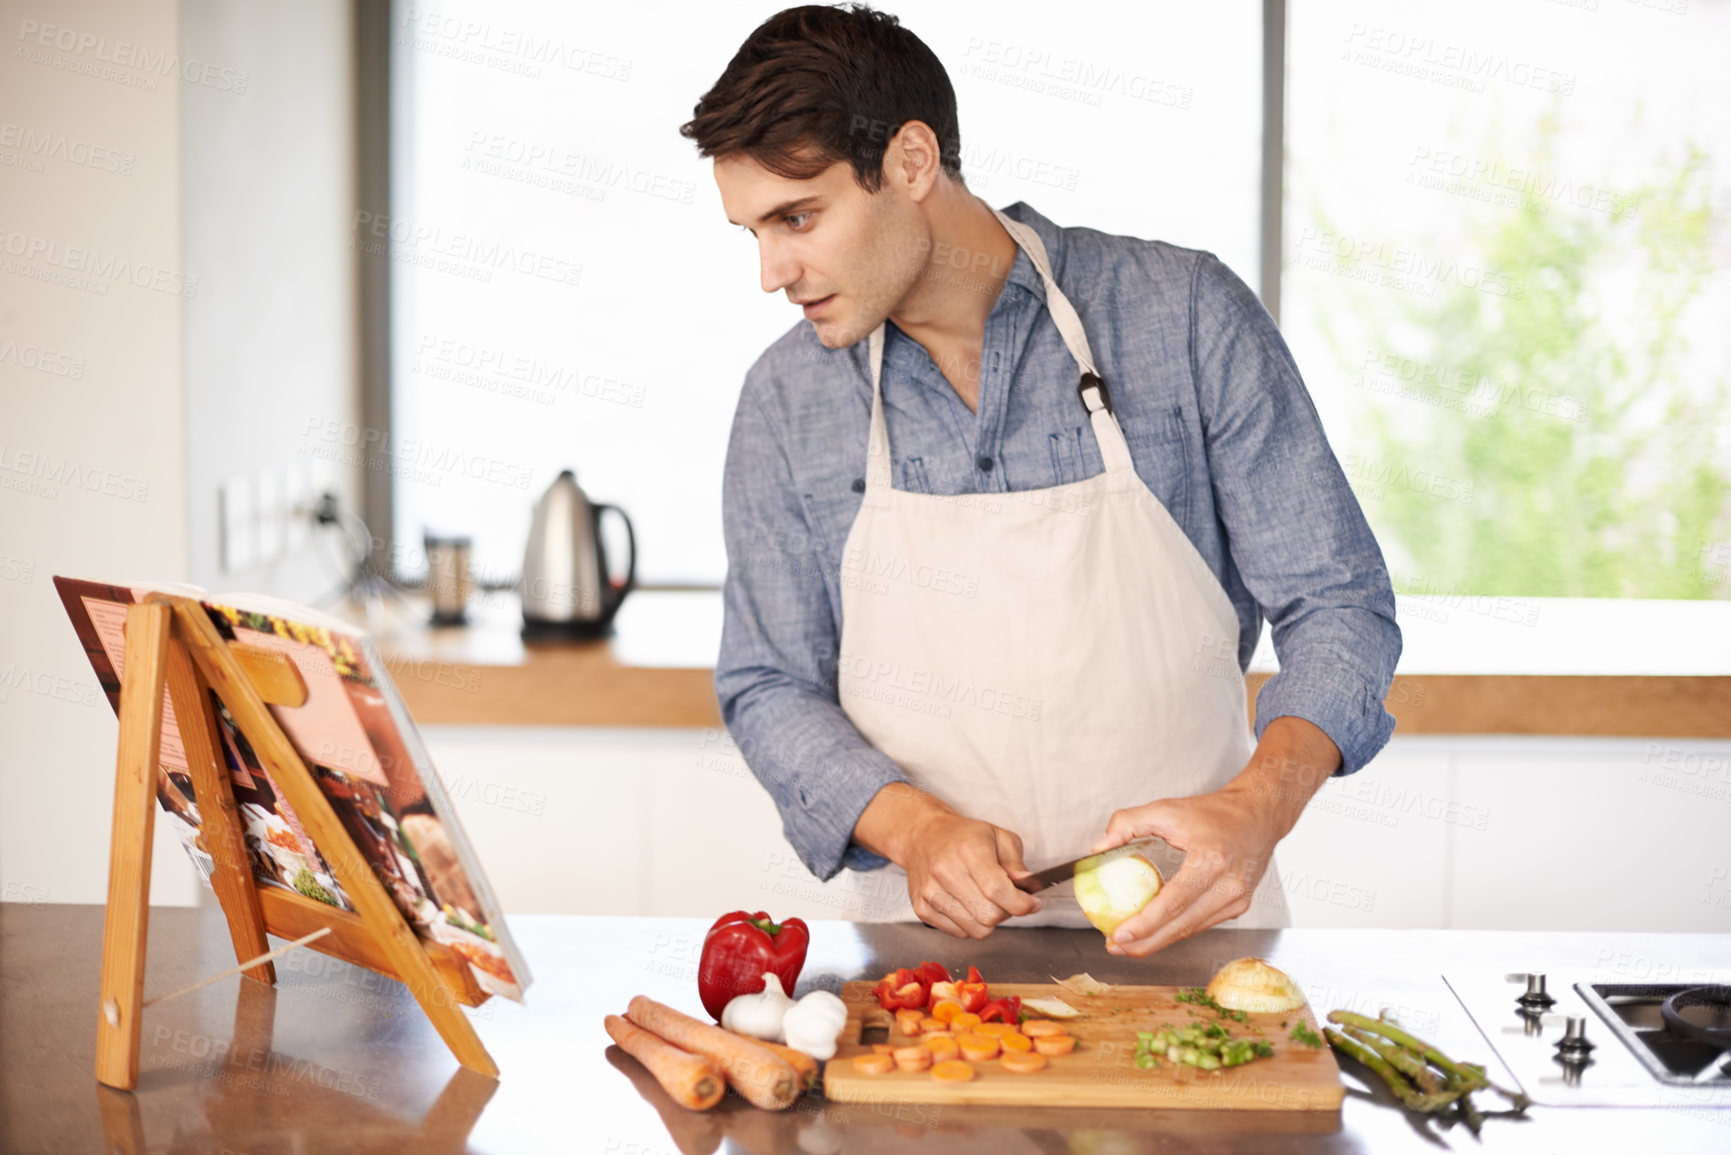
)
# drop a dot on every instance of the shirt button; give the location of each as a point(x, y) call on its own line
point(986, 464)
point(859, 485)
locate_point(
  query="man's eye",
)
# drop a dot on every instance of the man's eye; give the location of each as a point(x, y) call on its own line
point(796, 221)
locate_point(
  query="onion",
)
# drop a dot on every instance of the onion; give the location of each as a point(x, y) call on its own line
point(1116, 889)
point(1083, 984)
point(1051, 1008)
point(1251, 984)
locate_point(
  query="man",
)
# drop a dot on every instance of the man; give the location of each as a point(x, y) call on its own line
point(1004, 515)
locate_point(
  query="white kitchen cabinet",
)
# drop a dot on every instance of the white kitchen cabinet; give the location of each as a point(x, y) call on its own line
point(1479, 833)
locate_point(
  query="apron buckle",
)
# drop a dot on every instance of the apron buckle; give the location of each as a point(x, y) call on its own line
point(1101, 399)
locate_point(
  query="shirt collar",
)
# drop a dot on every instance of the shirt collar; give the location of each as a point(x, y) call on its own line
point(1022, 270)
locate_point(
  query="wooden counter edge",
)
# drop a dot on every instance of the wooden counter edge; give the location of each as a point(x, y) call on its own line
point(589, 692)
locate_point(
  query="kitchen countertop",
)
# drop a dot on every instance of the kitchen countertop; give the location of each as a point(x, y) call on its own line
point(335, 1059)
point(657, 670)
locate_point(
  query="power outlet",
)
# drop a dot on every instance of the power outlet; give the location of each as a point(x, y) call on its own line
point(236, 525)
point(298, 501)
point(272, 516)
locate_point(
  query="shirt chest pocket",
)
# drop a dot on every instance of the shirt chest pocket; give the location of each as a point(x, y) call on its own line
point(1159, 448)
point(831, 504)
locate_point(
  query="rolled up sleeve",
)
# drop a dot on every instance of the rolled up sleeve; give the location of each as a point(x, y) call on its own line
point(1294, 528)
point(775, 677)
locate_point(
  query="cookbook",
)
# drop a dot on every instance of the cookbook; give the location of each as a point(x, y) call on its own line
point(361, 747)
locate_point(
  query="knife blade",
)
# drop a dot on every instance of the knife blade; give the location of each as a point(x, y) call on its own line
point(1064, 871)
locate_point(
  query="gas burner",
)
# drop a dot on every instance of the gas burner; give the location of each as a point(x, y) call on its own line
point(1542, 1039)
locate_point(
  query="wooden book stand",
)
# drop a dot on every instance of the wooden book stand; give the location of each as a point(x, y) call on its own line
point(170, 642)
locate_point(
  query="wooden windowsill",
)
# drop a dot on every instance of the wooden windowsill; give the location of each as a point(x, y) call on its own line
point(657, 671)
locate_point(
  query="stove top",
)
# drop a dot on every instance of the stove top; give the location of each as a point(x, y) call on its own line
point(1592, 1044)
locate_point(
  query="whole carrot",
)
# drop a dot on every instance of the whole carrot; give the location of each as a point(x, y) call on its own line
point(763, 1077)
point(691, 1080)
point(802, 1062)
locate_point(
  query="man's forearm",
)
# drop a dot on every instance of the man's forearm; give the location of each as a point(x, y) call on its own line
point(1290, 764)
point(894, 817)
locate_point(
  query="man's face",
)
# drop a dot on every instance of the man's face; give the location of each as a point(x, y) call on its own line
point(847, 256)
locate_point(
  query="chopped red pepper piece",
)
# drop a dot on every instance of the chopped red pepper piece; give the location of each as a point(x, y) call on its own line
point(907, 996)
point(933, 984)
point(931, 972)
point(972, 996)
point(1007, 1008)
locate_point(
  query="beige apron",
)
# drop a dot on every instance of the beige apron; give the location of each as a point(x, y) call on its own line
point(1038, 659)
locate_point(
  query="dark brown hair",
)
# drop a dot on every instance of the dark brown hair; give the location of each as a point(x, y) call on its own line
point(816, 85)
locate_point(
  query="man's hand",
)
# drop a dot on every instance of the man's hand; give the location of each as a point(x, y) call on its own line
point(1228, 836)
point(959, 869)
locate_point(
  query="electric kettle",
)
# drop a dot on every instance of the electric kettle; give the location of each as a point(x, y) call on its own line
point(568, 591)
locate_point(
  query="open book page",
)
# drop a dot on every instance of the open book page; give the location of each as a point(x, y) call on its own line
point(363, 752)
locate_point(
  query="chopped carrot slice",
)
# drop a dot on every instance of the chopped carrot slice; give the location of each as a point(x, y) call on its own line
point(946, 1010)
point(908, 1022)
point(929, 1024)
point(1022, 1063)
point(953, 1071)
point(873, 1064)
point(942, 1047)
point(883, 1048)
point(979, 1048)
point(915, 1058)
point(1055, 1044)
point(1034, 1028)
point(996, 1029)
point(966, 1021)
point(1017, 1042)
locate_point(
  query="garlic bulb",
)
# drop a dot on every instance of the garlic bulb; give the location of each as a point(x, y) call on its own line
point(759, 1015)
point(814, 1023)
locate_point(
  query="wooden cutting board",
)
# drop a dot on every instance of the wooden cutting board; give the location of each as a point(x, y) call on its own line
point(1101, 1071)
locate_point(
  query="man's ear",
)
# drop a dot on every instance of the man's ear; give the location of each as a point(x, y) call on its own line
point(912, 160)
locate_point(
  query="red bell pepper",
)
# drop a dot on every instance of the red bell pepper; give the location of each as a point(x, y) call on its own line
point(1007, 1008)
point(740, 949)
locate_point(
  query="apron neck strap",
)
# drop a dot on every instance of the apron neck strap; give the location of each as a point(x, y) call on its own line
point(1091, 389)
point(1057, 304)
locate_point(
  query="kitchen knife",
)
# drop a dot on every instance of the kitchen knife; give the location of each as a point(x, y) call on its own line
point(1064, 871)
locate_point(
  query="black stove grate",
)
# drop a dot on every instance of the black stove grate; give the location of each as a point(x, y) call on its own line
point(1631, 1010)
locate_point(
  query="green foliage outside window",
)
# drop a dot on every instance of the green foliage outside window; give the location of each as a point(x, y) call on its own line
point(1560, 388)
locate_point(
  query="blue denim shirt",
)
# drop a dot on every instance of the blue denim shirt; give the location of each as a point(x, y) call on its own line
point(1220, 427)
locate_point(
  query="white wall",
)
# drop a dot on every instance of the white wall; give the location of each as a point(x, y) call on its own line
point(203, 150)
point(269, 200)
point(115, 415)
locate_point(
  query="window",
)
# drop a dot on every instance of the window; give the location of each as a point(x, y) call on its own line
point(569, 294)
point(1506, 259)
point(1507, 273)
